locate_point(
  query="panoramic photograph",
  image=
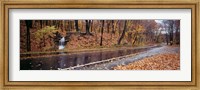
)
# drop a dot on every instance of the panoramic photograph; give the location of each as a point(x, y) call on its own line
point(100, 44)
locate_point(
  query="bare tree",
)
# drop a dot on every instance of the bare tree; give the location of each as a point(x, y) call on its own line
point(102, 27)
point(76, 25)
point(177, 25)
point(113, 27)
point(108, 25)
point(171, 25)
point(88, 23)
point(123, 33)
point(28, 41)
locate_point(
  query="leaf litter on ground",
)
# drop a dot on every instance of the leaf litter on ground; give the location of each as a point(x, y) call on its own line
point(157, 62)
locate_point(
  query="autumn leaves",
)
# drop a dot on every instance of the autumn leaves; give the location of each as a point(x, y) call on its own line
point(165, 61)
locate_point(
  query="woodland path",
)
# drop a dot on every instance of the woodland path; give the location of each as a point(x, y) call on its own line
point(124, 61)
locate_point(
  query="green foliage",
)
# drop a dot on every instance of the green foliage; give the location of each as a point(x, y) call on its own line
point(44, 34)
point(45, 31)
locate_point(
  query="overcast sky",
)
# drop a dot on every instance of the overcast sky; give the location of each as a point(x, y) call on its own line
point(158, 21)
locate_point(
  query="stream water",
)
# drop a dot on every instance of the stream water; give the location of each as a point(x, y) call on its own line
point(61, 43)
point(65, 60)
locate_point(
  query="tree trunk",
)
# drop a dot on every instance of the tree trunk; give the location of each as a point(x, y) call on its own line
point(113, 29)
point(54, 22)
point(28, 41)
point(171, 31)
point(46, 22)
point(44, 41)
point(72, 25)
point(177, 25)
point(50, 23)
point(69, 26)
point(57, 24)
point(135, 38)
point(167, 39)
point(123, 33)
point(64, 24)
point(88, 27)
point(101, 42)
point(177, 36)
point(41, 24)
point(171, 38)
point(76, 25)
point(108, 24)
point(119, 27)
point(91, 26)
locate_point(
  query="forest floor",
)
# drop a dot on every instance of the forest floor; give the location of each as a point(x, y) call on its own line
point(159, 58)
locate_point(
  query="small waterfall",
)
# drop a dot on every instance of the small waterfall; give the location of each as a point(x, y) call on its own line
point(61, 43)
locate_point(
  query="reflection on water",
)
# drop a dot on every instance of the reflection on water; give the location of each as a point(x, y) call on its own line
point(69, 60)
